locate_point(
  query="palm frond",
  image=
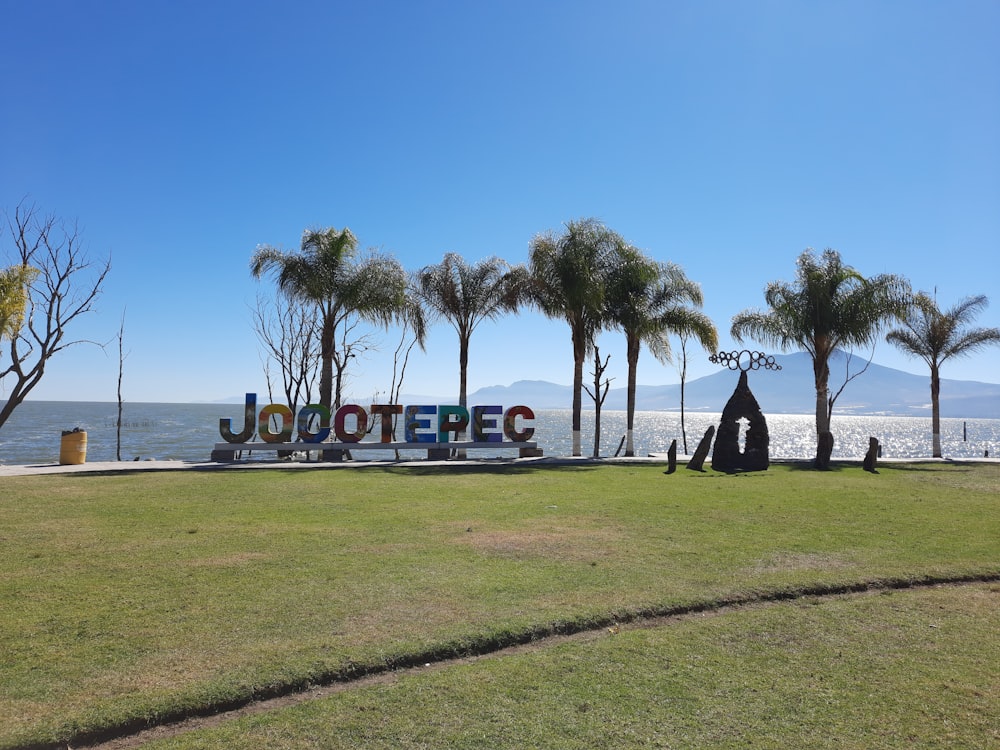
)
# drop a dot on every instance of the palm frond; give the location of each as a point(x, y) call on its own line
point(937, 336)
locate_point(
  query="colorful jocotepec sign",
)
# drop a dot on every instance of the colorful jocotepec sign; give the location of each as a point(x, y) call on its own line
point(421, 424)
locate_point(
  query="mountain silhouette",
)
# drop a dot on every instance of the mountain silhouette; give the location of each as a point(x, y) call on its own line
point(876, 391)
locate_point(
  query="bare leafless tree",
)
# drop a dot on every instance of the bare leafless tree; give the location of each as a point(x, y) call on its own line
point(288, 332)
point(400, 359)
point(121, 372)
point(355, 341)
point(682, 368)
point(66, 286)
point(848, 377)
point(599, 393)
point(410, 336)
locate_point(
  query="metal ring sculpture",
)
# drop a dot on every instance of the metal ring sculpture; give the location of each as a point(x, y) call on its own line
point(745, 360)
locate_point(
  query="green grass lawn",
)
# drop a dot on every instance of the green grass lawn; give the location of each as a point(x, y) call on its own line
point(130, 598)
point(902, 669)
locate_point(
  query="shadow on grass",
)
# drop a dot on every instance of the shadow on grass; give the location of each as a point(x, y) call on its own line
point(930, 467)
point(834, 467)
point(446, 470)
point(452, 469)
point(443, 469)
point(535, 467)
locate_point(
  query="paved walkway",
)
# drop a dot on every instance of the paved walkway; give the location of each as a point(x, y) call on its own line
point(656, 458)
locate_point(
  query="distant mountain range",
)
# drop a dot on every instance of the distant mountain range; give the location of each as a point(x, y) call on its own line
point(878, 391)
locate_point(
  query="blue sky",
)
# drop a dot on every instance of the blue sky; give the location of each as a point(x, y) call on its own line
point(724, 136)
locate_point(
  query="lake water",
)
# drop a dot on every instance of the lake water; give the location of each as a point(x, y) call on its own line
point(187, 432)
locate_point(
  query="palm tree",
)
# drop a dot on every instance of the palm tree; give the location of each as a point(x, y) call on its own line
point(467, 295)
point(936, 336)
point(568, 275)
point(829, 305)
point(324, 272)
point(649, 300)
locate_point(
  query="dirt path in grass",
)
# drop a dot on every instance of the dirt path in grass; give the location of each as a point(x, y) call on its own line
point(125, 740)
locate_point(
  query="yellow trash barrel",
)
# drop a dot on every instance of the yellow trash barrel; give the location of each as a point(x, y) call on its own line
point(73, 449)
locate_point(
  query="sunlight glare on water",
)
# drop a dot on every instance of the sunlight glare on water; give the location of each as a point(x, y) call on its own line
point(187, 432)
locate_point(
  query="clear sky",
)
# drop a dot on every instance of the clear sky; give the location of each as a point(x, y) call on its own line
point(724, 136)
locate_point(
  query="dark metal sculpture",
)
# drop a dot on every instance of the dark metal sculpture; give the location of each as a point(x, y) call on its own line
point(672, 458)
point(871, 457)
point(701, 452)
point(727, 456)
point(745, 360)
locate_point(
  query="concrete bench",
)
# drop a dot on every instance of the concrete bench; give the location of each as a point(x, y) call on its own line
point(335, 451)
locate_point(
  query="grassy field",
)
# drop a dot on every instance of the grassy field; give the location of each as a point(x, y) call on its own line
point(128, 599)
point(901, 669)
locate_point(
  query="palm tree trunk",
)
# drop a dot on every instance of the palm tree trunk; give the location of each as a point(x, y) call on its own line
point(824, 438)
point(822, 408)
point(632, 354)
point(936, 410)
point(463, 371)
point(463, 368)
point(579, 354)
point(326, 368)
point(577, 404)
